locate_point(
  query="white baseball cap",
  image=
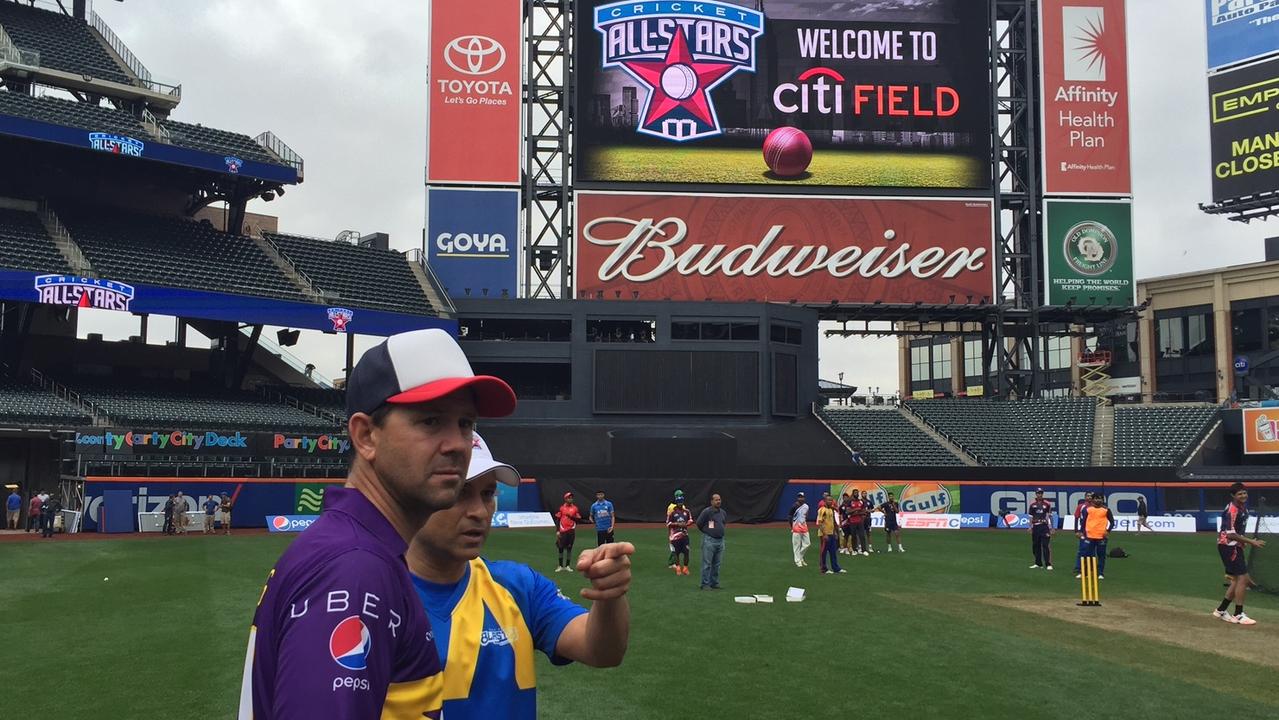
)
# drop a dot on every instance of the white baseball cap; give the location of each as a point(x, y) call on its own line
point(482, 462)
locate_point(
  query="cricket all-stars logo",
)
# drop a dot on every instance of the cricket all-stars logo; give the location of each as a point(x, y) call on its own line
point(1090, 248)
point(116, 144)
point(233, 164)
point(679, 51)
point(83, 292)
point(340, 317)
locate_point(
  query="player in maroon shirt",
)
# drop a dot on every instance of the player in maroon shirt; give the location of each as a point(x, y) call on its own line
point(568, 516)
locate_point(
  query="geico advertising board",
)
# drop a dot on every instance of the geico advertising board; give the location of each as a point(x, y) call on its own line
point(783, 248)
point(472, 241)
point(1245, 130)
point(807, 92)
point(474, 86)
point(1002, 500)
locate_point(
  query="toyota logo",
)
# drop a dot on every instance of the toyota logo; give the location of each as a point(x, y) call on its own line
point(475, 55)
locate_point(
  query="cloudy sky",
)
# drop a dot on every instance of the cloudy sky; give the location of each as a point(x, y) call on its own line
point(343, 83)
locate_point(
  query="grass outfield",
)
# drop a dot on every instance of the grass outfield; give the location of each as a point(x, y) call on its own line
point(958, 627)
point(746, 166)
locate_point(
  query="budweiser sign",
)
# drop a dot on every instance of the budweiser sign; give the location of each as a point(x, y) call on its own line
point(811, 250)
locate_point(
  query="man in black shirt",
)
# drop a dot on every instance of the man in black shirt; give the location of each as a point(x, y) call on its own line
point(892, 530)
point(1041, 531)
point(711, 523)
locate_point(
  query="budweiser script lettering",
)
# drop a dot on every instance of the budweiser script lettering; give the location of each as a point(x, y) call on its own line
point(633, 241)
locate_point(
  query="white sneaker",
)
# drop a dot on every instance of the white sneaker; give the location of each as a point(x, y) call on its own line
point(670, 567)
point(1101, 577)
point(865, 554)
point(842, 571)
point(1050, 567)
point(1034, 567)
point(827, 572)
point(1078, 576)
point(559, 568)
point(1223, 615)
point(803, 563)
point(1243, 619)
point(890, 548)
point(901, 549)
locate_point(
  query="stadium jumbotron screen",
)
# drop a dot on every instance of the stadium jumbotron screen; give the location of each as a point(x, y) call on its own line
point(891, 94)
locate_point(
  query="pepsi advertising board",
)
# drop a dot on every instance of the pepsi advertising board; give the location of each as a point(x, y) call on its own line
point(472, 241)
point(289, 523)
point(1241, 30)
point(813, 93)
point(254, 500)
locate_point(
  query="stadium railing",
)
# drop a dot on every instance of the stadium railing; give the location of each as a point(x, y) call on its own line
point(145, 78)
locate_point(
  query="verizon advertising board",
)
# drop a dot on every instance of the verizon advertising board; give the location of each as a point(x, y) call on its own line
point(1084, 66)
point(474, 88)
point(743, 248)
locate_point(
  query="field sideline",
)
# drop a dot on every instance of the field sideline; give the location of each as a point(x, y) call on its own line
point(958, 627)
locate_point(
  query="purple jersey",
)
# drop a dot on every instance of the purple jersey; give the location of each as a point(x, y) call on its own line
point(339, 630)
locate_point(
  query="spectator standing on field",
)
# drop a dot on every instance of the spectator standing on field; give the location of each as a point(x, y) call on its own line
point(179, 513)
point(210, 509)
point(1143, 511)
point(711, 522)
point(49, 509)
point(799, 539)
point(226, 514)
point(12, 509)
point(168, 515)
point(33, 512)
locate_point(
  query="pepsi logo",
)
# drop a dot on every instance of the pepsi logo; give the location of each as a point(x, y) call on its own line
point(475, 55)
point(349, 644)
point(280, 522)
point(1010, 520)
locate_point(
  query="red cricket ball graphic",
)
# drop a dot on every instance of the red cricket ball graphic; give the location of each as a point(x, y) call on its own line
point(787, 151)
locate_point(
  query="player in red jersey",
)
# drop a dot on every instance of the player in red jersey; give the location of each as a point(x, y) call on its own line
point(568, 516)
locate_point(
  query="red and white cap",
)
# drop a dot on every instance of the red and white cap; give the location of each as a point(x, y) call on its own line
point(482, 462)
point(421, 366)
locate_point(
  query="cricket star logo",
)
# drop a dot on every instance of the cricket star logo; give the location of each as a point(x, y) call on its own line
point(679, 52)
point(1086, 44)
point(1090, 248)
point(340, 317)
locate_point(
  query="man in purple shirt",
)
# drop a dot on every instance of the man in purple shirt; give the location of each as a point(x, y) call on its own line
point(339, 631)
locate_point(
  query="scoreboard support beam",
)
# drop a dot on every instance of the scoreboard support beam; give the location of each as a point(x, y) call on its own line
point(547, 191)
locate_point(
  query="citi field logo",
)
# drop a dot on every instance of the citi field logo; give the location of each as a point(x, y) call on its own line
point(1090, 248)
point(475, 55)
point(349, 644)
point(678, 51)
point(1086, 44)
point(76, 291)
point(116, 144)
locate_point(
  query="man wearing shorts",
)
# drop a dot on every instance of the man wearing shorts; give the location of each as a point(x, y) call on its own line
point(1230, 542)
point(568, 516)
point(892, 530)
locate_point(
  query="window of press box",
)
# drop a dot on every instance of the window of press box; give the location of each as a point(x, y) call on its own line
point(621, 331)
point(532, 380)
point(515, 329)
point(789, 334)
point(713, 330)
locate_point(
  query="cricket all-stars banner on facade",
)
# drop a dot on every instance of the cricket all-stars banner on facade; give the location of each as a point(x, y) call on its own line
point(1089, 252)
point(1244, 117)
point(1241, 30)
point(783, 248)
point(474, 89)
point(807, 92)
point(1084, 70)
point(473, 240)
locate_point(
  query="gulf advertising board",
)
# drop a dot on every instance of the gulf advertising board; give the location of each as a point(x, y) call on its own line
point(1084, 70)
point(1244, 117)
point(1241, 30)
point(474, 89)
point(472, 240)
point(769, 248)
point(1088, 248)
point(804, 94)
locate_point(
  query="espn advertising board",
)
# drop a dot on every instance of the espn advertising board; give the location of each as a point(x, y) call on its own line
point(1084, 114)
point(473, 239)
point(474, 88)
point(1241, 30)
point(771, 248)
point(1088, 248)
point(1244, 118)
point(1261, 431)
point(807, 93)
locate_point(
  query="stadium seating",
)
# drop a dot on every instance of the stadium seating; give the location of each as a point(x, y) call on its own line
point(222, 142)
point(1159, 436)
point(190, 406)
point(1023, 432)
point(24, 245)
point(25, 404)
point(69, 113)
point(175, 251)
point(358, 276)
point(326, 399)
point(884, 437)
point(64, 43)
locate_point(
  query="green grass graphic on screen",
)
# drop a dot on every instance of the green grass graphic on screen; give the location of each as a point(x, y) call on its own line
point(309, 498)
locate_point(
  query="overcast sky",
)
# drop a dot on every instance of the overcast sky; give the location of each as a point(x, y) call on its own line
point(343, 83)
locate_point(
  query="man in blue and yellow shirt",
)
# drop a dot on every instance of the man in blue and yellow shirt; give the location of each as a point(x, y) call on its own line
point(489, 616)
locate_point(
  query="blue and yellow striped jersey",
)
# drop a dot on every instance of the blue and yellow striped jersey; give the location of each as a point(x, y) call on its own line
point(486, 627)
